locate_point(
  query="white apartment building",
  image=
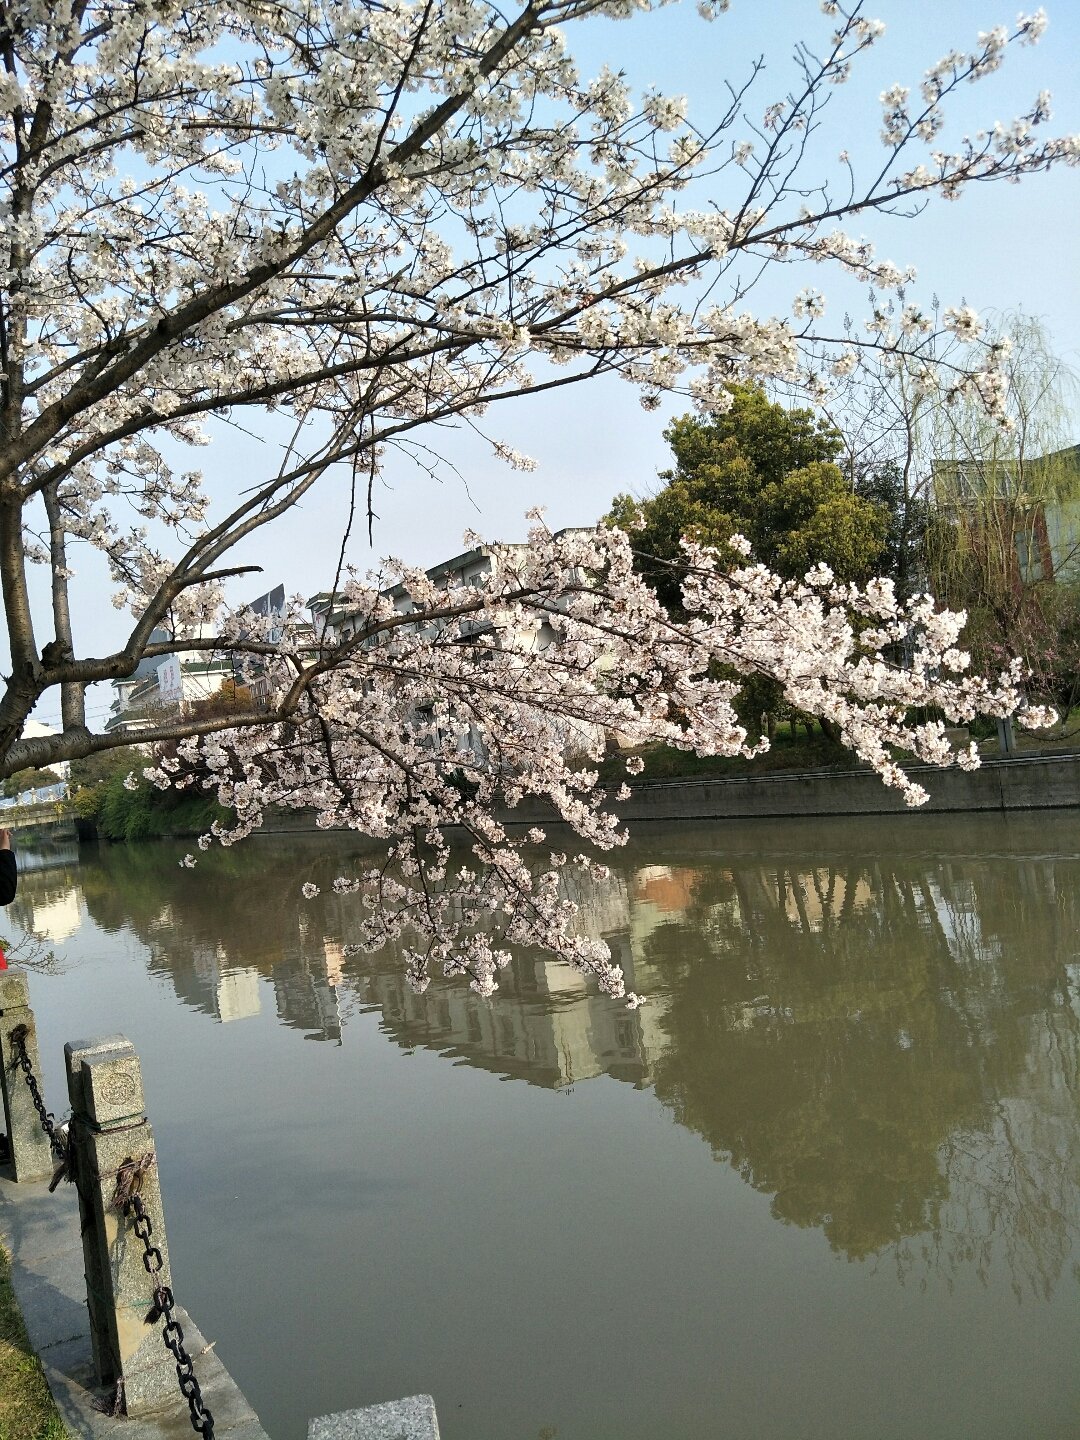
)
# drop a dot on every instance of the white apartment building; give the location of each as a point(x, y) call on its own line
point(335, 621)
point(165, 682)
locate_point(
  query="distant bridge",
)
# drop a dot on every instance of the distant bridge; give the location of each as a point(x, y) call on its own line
point(40, 816)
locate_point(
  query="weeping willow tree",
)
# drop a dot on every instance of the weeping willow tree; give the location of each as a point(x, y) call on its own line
point(1004, 536)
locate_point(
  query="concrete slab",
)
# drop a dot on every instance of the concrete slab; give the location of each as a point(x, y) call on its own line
point(52, 1317)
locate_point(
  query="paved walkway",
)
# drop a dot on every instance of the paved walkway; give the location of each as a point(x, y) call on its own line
point(41, 1232)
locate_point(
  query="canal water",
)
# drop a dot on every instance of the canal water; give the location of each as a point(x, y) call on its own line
point(826, 1183)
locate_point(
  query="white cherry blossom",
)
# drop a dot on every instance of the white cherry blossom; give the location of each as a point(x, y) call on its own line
point(445, 713)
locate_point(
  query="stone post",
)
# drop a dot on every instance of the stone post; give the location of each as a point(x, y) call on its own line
point(108, 1129)
point(31, 1153)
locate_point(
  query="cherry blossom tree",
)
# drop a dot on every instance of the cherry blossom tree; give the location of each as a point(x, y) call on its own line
point(366, 219)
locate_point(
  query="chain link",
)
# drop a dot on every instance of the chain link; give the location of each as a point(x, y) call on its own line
point(172, 1333)
point(48, 1120)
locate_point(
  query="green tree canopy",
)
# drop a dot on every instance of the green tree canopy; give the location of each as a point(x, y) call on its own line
point(766, 472)
point(28, 780)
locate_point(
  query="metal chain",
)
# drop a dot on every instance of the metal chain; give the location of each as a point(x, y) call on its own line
point(172, 1333)
point(48, 1120)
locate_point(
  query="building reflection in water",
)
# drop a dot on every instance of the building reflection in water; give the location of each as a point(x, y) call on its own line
point(306, 980)
point(882, 1035)
point(304, 985)
point(217, 988)
point(49, 902)
point(52, 910)
point(222, 935)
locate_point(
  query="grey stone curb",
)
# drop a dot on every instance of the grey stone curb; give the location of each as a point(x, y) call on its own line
point(410, 1419)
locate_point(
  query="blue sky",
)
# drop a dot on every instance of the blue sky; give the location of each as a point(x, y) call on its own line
point(999, 247)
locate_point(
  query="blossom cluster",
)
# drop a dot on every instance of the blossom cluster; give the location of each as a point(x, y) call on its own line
point(451, 711)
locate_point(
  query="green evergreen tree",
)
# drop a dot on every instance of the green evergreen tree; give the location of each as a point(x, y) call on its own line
point(762, 471)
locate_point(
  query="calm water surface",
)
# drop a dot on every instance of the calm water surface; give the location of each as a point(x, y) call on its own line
point(825, 1184)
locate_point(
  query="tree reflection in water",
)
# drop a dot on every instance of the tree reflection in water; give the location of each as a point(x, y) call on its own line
point(882, 1035)
point(890, 1051)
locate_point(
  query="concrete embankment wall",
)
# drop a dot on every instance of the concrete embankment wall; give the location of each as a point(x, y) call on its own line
point(1044, 782)
point(1036, 783)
